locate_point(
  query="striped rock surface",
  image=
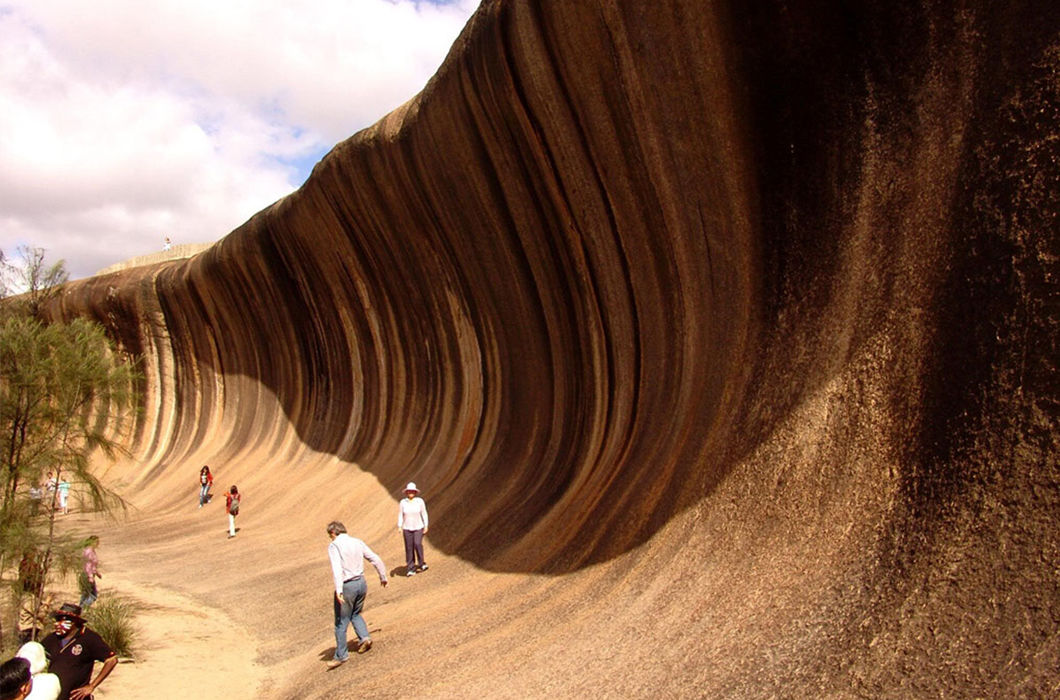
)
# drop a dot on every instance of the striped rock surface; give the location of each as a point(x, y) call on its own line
point(720, 337)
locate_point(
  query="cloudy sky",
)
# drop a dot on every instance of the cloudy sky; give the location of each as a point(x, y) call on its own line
point(126, 121)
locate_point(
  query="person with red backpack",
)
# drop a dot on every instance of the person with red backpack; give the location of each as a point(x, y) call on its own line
point(232, 499)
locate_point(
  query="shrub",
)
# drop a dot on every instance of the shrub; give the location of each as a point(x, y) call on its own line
point(113, 618)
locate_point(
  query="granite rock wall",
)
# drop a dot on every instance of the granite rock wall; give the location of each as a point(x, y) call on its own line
point(788, 265)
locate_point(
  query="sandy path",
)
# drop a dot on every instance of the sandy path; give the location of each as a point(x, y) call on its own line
point(184, 647)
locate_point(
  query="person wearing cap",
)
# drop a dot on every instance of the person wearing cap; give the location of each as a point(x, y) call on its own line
point(45, 685)
point(73, 650)
point(412, 521)
point(15, 679)
point(347, 555)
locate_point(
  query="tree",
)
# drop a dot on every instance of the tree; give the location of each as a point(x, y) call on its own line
point(32, 279)
point(63, 391)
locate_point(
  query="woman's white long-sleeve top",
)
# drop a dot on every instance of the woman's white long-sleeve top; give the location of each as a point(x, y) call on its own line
point(412, 514)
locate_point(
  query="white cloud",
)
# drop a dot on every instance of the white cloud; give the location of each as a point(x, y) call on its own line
point(125, 121)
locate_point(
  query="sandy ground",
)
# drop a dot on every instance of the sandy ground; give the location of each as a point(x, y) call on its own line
point(250, 617)
point(182, 646)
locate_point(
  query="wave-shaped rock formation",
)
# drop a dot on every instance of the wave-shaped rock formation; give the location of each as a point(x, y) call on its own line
point(177, 252)
point(726, 330)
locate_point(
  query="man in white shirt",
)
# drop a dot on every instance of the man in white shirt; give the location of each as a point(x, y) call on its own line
point(347, 555)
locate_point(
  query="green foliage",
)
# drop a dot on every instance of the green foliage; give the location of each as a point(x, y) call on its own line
point(114, 618)
point(63, 391)
point(56, 381)
point(34, 281)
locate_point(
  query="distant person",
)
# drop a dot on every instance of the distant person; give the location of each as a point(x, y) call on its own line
point(73, 650)
point(232, 500)
point(29, 571)
point(205, 482)
point(45, 685)
point(64, 496)
point(15, 679)
point(36, 496)
point(347, 555)
point(412, 521)
point(86, 579)
point(167, 245)
point(33, 616)
point(51, 486)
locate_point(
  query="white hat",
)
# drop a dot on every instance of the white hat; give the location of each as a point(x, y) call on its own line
point(33, 652)
point(412, 487)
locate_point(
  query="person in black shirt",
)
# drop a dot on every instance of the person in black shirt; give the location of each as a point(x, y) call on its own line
point(73, 649)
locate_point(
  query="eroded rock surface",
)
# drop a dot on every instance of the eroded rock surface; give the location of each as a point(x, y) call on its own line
point(750, 306)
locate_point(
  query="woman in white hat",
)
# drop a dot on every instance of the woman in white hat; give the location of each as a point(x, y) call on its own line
point(412, 521)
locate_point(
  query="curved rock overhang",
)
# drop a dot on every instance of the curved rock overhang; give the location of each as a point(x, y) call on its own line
point(790, 268)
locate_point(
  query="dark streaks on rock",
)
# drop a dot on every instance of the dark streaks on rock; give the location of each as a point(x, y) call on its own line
point(775, 278)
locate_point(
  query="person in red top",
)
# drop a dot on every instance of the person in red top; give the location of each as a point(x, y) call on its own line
point(205, 482)
point(73, 650)
point(232, 500)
